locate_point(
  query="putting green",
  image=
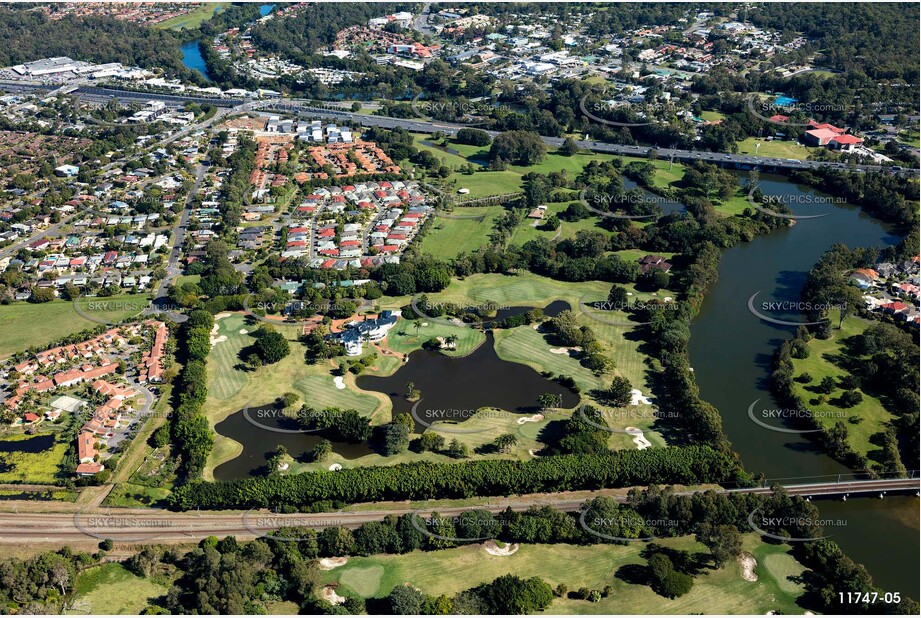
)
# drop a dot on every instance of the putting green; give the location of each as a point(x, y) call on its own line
point(363, 580)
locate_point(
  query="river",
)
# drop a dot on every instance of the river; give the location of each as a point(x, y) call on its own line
point(731, 352)
point(191, 55)
point(192, 58)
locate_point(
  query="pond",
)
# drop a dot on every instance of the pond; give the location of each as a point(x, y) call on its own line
point(36, 444)
point(192, 58)
point(454, 388)
point(260, 429)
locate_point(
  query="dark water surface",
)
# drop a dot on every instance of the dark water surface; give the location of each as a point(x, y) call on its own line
point(731, 352)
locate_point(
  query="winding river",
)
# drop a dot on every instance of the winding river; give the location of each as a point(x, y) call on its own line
point(731, 352)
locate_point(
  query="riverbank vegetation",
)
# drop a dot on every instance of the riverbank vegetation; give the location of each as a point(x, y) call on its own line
point(857, 362)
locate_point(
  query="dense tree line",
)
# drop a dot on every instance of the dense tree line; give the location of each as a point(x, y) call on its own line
point(890, 197)
point(191, 435)
point(420, 480)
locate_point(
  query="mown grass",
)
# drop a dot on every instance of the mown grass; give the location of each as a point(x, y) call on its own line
point(784, 149)
point(24, 324)
point(111, 589)
point(723, 591)
point(449, 237)
point(194, 18)
point(820, 364)
point(231, 387)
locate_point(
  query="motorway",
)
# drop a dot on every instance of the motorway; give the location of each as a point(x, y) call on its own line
point(145, 525)
point(305, 108)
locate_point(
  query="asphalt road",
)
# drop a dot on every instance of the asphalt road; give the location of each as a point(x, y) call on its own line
point(146, 525)
point(423, 126)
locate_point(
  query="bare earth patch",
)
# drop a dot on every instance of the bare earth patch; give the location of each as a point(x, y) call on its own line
point(328, 564)
point(637, 397)
point(530, 419)
point(748, 567)
point(329, 594)
point(494, 550)
point(638, 438)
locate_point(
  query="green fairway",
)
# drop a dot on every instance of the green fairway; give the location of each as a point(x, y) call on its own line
point(784, 149)
point(714, 592)
point(819, 365)
point(24, 325)
point(112, 590)
point(527, 346)
point(194, 18)
point(405, 338)
point(449, 236)
point(230, 387)
point(526, 230)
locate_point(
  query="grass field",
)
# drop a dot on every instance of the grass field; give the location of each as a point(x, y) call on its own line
point(40, 468)
point(714, 592)
point(449, 237)
point(785, 149)
point(194, 18)
point(711, 116)
point(485, 182)
point(820, 365)
point(23, 324)
point(112, 590)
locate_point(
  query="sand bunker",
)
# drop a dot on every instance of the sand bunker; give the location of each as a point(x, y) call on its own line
point(638, 438)
point(327, 564)
point(559, 350)
point(214, 339)
point(530, 419)
point(243, 331)
point(637, 397)
point(494, 550)
point(329, 594)
point(283, 466)
point(443, 344)
point(222, 315)
point(339, 381)
point(748, 567)
point(335, 467)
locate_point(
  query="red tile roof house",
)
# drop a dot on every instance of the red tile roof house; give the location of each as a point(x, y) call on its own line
point(151, 369)
point(654, 261)
point(845, 142)
point(89, 469)
point(86, 447)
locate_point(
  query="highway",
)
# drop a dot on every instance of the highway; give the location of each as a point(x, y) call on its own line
point(739, 161)
point(307, 109)
point(145, 525)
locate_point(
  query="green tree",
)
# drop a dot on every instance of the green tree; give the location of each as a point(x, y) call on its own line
point(723, 541)
point(619, 393)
